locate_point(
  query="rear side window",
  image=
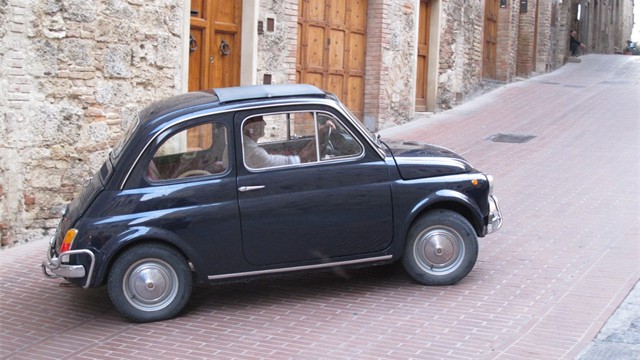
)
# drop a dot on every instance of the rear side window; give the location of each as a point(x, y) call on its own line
point(200, 150)
point(133, 124)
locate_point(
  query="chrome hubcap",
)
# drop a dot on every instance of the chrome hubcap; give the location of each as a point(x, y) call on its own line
point(150, 284)
point(439, 250)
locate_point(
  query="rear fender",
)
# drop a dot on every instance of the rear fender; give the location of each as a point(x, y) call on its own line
point(135, 236)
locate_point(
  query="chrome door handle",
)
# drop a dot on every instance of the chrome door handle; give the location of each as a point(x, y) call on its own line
point(250, 188)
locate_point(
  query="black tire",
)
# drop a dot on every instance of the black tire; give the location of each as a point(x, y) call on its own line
point(441, 248)
point(150, 282)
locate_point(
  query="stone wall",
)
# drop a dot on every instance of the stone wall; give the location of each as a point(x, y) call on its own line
point(73, 73)
point(547, 30)
point(460, 66)
point(605, 25)
point(277, 46)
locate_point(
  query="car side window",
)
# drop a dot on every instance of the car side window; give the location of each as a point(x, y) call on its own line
point(287, 139)
point(200, 150)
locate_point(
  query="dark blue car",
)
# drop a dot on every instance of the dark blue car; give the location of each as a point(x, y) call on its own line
point(243, 182)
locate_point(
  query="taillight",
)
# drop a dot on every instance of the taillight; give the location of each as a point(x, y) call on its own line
point(68, 240)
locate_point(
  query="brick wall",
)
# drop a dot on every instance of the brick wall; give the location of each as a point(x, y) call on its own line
point(526, 40)
point(507, 41)
point(377, 73)
point(390, 62)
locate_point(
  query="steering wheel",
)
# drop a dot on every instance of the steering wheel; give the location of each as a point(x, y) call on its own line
point(196, 172)
point(326, 146)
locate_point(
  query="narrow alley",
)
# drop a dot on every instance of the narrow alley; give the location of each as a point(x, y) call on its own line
point(564, 150)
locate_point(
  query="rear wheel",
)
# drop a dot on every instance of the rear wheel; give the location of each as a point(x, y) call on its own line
point(441, 248)
point(150, 282)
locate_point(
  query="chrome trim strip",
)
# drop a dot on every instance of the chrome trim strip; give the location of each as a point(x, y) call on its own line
point(298, 268)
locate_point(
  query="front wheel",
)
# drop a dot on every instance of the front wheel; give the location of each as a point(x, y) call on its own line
point(150, 282)
point(441, 248)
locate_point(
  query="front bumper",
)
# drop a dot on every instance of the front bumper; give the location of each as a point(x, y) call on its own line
point(57, 266)
point(495, 215)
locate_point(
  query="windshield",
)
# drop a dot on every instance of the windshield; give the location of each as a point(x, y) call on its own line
point(117, 150)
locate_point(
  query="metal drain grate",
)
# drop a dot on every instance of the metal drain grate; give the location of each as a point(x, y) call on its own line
point(511, 138)
point(621, 82)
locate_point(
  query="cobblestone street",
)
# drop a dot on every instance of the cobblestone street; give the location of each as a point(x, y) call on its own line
point(543, 287)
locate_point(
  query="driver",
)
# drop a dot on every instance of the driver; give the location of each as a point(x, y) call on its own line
point(257, 157)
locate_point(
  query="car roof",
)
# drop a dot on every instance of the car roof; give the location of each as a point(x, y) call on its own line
point(192, 101)
point(176, 104)
point(255, 92)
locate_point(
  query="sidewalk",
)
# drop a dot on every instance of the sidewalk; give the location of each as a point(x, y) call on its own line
point(619, 339)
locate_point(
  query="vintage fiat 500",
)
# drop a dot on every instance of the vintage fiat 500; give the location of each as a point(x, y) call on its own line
point(238, 183)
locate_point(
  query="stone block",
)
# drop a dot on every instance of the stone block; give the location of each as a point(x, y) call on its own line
point(117, 61)
point(78, 52)
point(79, 10)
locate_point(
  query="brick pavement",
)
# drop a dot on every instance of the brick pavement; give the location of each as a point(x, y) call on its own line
point(543, 286)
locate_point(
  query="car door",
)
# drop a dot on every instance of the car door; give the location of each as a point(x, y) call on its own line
point(331, 206)
point(184, 190)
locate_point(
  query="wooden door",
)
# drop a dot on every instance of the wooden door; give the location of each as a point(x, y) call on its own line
point(423, 55)
point(214, 47)
point(331, 48)
point(490, 39)
point(214, 53)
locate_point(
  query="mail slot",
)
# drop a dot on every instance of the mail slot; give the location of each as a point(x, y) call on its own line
point(523, 5)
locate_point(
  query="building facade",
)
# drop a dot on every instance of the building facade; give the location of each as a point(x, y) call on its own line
point(73, 73)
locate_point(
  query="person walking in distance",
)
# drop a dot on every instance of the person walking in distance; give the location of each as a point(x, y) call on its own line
point(574, 43)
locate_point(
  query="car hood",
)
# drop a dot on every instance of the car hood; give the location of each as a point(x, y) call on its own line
point(416, 160)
